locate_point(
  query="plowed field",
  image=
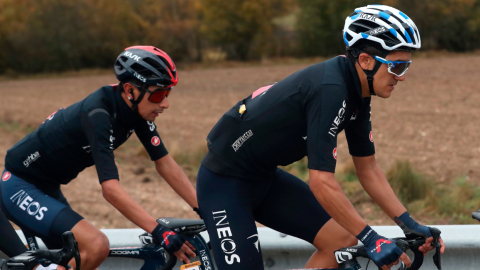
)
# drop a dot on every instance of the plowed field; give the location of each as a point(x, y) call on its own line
point(432, 119)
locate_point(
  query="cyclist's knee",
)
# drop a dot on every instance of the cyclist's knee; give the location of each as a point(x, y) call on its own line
point(96, 249)
point(92, 243)
point(101, 246)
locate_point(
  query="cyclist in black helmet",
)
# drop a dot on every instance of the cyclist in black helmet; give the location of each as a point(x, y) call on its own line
point(239, 182)
point(85, 134)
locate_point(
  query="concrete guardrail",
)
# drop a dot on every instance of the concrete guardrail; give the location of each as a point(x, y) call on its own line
point(283, 252)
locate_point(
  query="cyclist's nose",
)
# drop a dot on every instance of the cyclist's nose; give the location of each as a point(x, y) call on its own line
point(401, 78)
point(164, 104)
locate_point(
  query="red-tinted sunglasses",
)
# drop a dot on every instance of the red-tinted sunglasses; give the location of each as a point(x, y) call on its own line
point(156, 96)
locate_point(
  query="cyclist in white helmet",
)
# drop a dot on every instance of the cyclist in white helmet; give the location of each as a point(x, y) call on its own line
point(239, 181)
point(377, 31)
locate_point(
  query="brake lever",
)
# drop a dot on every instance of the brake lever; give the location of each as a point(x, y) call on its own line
point(418, 255)
point(436, 242)
point(403, 245)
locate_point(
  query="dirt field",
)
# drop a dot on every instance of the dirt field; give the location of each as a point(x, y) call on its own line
point(432, 119)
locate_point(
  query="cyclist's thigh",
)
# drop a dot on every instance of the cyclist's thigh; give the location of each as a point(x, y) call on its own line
point(291, 208)
point(41, 214)
point(226, 207)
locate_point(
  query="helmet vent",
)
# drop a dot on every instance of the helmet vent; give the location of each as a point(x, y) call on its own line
point(400, 33)
point(348, 36)
point(154, 64)
point(416, 33)
point(360, 26)
point(389, 38)
point(409, 31)
point(394, 16)
point(143, 71)
point(119, 66)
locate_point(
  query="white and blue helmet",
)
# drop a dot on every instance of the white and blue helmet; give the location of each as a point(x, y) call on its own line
point(386, 26)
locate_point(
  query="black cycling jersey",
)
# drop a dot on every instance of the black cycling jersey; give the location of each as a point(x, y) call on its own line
point(296, 117)
point(79, 136)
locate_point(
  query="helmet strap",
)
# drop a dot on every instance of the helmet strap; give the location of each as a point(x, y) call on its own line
point(370, 74)
point(135, 102)
point(354, 54)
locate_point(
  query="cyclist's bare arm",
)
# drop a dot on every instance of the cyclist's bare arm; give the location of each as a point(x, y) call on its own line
point(119, 198)
point(177, 179)
point(330, 195)
point(376, 185)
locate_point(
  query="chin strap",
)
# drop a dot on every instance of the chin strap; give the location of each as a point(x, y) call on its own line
point(370, 74)
point(135, 102)
point(354, 53)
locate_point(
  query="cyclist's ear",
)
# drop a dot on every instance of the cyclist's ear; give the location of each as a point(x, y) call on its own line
point(365, 61)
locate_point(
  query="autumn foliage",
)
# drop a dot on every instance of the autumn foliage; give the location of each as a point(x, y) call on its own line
point(55, 35)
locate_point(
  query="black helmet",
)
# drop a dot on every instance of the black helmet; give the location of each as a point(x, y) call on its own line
point(147, 65)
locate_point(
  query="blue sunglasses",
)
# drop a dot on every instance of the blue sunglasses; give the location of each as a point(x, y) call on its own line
point(397, 68)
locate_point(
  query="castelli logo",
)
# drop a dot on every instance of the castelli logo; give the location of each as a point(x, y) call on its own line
point(371, 136)
point(155, 141)
point(6, 176)
point(335, 153)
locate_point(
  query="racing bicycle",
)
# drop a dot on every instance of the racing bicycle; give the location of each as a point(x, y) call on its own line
point(156, 257)
point(30, 259)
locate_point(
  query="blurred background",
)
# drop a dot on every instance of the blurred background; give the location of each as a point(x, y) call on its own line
point(54, 53)
point(56, 35)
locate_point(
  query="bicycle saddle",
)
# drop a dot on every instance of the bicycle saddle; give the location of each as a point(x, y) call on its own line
point(182, 224)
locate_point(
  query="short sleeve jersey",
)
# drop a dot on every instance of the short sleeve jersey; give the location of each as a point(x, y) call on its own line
point(296, 117)
point(79, 136)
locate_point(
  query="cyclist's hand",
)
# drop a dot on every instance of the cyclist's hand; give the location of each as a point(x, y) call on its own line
point(187, 249)
point(411, 228)
point(428, 246)
point(383, 251)
point(173, 243)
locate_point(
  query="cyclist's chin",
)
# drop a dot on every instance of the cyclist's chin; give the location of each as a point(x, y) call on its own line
point(386, 92)
point(149, 117)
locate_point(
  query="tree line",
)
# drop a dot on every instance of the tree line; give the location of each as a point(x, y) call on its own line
point(56, 35)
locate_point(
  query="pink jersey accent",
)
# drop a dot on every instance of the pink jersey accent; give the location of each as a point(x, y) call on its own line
point(261, 90)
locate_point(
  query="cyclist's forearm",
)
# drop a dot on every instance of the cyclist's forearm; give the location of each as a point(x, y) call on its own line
point(119, 198)
point(330, 195)
point(376, 185)
point(177, 179)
